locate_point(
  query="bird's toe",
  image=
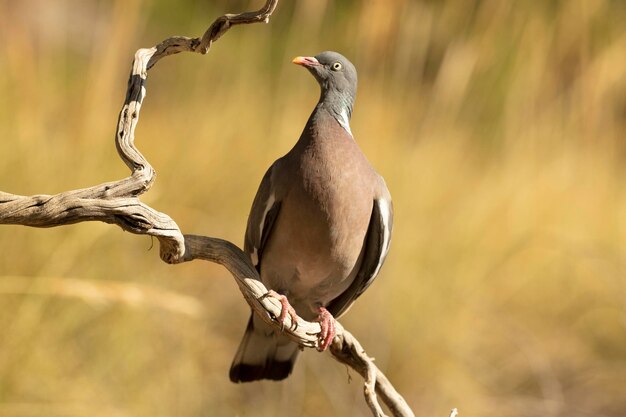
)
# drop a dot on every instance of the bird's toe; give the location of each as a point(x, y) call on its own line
point(327, 331)
point(286, 309)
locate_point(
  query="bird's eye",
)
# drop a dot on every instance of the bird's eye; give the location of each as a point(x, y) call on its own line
point(336, 66)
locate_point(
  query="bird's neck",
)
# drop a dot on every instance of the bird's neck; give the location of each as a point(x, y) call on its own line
point(339, 106)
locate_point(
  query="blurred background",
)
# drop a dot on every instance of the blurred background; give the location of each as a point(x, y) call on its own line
point(500, 128)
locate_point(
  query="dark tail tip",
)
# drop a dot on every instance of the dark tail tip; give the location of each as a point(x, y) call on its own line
point(275, 371)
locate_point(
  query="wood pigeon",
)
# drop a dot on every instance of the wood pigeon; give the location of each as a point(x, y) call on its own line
point(319, 228)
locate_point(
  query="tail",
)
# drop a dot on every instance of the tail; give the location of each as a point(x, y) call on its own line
point(263, 354)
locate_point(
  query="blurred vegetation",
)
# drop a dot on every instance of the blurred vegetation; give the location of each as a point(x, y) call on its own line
point(499, 126)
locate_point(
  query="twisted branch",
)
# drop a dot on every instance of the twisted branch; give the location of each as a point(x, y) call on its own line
point(118, 203)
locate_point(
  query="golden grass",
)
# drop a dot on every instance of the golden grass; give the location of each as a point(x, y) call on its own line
point(498, 126)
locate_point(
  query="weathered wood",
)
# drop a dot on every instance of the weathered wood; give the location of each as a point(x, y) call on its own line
point(118, 203)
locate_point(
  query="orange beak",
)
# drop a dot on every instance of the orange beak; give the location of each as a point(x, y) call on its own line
point(305, 61)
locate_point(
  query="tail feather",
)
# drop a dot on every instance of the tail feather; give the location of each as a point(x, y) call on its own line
point(263, 354)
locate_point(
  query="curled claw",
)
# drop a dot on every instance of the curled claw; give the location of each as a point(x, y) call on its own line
point(327, 325)
point(286, 308)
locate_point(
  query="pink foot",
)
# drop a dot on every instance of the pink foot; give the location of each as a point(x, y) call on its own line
point(327, 324)
point(286, 308)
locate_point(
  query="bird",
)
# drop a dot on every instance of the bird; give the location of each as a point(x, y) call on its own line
point(319, 228)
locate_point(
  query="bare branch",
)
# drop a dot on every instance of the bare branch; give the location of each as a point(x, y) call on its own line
point(118, 203)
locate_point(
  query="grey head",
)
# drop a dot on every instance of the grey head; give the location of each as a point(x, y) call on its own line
point(337, 79)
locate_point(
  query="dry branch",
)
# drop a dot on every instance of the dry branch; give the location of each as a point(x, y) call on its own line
point(118, 203)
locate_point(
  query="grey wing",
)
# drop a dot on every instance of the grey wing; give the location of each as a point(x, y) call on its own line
point(265, 209)
point(375, 249)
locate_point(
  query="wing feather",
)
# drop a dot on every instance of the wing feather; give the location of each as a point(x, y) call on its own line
point(375, 249)
point(263, 214)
